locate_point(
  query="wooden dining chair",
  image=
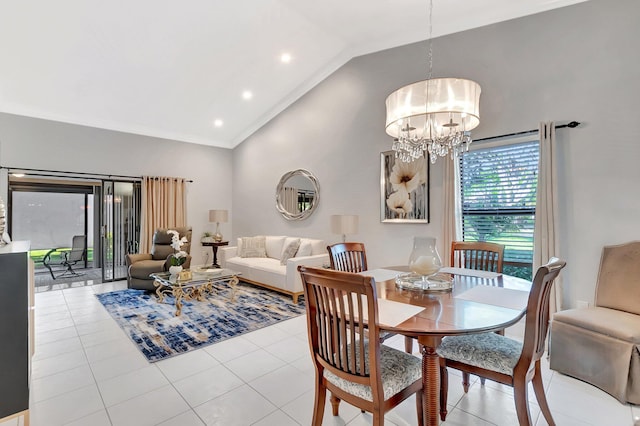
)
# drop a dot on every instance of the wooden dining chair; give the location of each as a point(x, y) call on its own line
point(478, 255)
point(348, 257)
point(481, 256)
point(358, 370)
point(505, 360)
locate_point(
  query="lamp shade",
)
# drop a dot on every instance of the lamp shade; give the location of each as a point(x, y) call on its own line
point(434, 105)
point(218, 216)
point(344, 224)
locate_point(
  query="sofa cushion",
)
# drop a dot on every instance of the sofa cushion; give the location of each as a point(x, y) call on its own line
point(289, 250)
point(305, 248)
point(274, 245)
point(310, 247)
point(253, 247)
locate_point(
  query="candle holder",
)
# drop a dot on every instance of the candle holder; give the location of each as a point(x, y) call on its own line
point(424, 263)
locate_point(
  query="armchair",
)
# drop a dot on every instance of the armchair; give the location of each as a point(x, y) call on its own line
point(141, 265)
point(601, 344)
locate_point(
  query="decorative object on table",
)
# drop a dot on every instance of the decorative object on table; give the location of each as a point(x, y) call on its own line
point(218, 216)
point(3, 222)
point(159, 334)
point(404, 190)
point(435, 115)
point(344, 224)
point(207, 237)
point(179, 257)
point(297, 194)
point(424, 264)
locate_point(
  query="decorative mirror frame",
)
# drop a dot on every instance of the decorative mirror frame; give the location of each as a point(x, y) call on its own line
point(314, 203)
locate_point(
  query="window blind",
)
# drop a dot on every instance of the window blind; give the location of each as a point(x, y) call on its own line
point(498, 193)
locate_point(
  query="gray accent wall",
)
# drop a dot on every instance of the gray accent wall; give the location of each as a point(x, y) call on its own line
point(43, 144)
point(575, 63)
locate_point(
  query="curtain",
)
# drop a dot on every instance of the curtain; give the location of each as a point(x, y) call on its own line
point(289, 196)
point(164, 205)
point(545, 234)
point(452, 208)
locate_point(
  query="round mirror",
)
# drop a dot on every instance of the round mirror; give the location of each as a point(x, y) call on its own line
point(297, 194)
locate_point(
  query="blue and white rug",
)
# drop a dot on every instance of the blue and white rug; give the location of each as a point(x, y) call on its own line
point(159, 334)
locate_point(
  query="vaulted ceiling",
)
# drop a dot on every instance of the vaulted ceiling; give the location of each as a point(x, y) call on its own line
point(170, 69)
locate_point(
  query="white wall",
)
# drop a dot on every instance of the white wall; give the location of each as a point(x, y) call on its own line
point(575, 63)
point(41, 144)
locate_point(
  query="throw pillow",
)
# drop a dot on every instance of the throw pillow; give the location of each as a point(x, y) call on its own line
point(253, 247)
point(289, 251)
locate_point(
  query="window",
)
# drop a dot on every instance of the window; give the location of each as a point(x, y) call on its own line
point(498, 193)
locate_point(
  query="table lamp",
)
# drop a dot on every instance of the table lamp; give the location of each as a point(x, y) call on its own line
point(344, 224)
point(218, 216)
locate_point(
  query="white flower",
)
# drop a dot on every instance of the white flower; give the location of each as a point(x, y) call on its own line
point(400, 203)
point(408, 176)
point(176, 241)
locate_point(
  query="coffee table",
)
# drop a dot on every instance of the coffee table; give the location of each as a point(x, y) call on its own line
point(196, 287)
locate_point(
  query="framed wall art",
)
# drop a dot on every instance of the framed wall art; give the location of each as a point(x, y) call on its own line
point(404, 189)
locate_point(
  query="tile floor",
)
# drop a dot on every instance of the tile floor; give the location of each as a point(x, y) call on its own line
point(86, 372)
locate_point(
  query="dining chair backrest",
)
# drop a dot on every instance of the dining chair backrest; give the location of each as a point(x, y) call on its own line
point(348, 257)
point(537, 316)
point(478, 255)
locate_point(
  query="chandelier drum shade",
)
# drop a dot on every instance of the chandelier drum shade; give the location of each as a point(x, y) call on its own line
point(434, 115)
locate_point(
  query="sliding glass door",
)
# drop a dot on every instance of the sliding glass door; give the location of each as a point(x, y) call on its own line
point(120, 228)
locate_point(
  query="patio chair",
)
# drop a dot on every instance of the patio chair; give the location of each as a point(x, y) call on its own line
point(68, 258)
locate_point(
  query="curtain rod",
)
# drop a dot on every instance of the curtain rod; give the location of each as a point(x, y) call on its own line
point(62, 174)
point(571, 125)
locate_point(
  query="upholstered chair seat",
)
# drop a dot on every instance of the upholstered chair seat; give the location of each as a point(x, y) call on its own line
point(490, 351)
point(399, 370)
point(601, 344)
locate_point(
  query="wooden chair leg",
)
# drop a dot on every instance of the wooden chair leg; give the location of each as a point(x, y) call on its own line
point(520, 391)
point(408, 344)
point(335, 404)
point(419, 407)
point(444, 389)
point(318, 405)
point(482, 380)
point(465, 381)
point(538, 389)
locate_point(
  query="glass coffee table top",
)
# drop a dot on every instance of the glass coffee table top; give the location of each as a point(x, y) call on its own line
point(194, 284)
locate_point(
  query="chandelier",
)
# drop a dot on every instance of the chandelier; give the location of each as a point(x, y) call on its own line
point(435, 115)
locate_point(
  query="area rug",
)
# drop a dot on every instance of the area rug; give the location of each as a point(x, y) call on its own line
point(159, 334)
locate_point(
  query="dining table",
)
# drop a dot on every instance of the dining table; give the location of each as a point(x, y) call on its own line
point(478, 302)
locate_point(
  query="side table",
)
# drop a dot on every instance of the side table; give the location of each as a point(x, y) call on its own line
point(214, 246)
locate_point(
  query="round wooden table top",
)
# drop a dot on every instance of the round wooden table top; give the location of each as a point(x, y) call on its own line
point(498, 303)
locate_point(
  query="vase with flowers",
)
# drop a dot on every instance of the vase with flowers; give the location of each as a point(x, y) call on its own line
point(180, 256)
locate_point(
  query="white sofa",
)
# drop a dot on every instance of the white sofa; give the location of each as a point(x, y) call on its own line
point(268, 271)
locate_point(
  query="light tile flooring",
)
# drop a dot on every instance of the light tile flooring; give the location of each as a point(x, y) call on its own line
point(86, 372)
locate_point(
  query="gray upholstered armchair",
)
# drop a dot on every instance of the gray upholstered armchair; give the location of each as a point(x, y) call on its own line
point(601, 344)
point(141, 265)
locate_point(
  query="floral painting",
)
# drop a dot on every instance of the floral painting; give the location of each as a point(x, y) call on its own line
point(404, 189)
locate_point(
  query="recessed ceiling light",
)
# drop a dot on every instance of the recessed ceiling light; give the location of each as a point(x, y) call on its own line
point(246, 95)
point(18, 175)
point(285, 58)
point(218, 123)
